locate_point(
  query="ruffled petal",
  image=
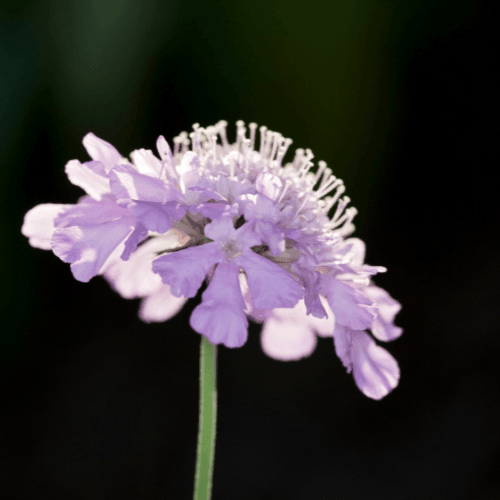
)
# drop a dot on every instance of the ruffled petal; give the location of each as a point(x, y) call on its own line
point(186, 269)
point(375, 371)
point(88, 178)
point(87, 248)
point(349, 305)
point(157, 217)
point(342, 340)
point(38, 224)
point(271, 285)
point(220, 316)
point(102, 151)
point(127, 184)
point(383, 327)
point(160, 306)
point(88, 233)
point(91, 212)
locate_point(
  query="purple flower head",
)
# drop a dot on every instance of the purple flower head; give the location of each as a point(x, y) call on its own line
point(269, 239)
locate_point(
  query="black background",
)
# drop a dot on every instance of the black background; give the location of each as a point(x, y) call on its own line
point(401, 100)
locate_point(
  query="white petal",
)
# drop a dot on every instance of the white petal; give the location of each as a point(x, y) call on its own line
point(135, 277)
point(81, 175)
point(161, 305)
point(146, 162)
point(288, 333)
point(287, 340)
point(323, 327)
point(38, 224)
point(356, 254)
point(100, 150)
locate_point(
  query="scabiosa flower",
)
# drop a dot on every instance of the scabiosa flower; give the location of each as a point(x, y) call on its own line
point(257, 231)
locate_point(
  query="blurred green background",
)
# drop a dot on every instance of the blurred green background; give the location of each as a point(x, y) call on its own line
point(400, 99)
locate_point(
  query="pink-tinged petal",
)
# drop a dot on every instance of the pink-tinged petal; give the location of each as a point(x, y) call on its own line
point(288, 333)
point(135, 277)
point(88, 247)
point(375, 371)
point(383, 327)
point(157, 217)
point(38, 224)
point(271, 285)
point(127, 184)
point(220, 316)
point(186, 269)
point(102, 151)
point(269, 185)
point(146, 162)
point(287, 340)
point(349, 305)
point(160, 306)
point(87, 178)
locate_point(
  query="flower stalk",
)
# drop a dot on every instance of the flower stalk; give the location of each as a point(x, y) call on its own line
point(207, 420)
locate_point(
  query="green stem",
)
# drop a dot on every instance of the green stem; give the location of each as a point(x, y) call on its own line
point(207, 420)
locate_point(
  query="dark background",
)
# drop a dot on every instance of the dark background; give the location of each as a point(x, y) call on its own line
point(401, 101)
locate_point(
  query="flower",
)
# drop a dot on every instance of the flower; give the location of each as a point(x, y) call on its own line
point(257, 231)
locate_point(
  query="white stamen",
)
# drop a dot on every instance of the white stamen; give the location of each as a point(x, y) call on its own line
point(222, 132)
point(282, 150)
point(262, 139)
point(287, 184)
point(253, 127)
point(321, 168)
point(277, 137)
point(329, 186)
point(297, 161)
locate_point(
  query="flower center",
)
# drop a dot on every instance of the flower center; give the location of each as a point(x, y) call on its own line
point(232, 248)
